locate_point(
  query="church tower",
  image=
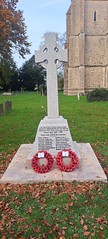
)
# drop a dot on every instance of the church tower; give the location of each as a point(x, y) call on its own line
point(87, 44)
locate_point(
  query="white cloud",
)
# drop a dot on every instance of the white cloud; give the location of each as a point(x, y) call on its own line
point(51, 2)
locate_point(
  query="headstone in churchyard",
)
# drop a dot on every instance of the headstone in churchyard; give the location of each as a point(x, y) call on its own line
point(8, 106)
point(53, 133)
point(7, 93)
point(1, 109)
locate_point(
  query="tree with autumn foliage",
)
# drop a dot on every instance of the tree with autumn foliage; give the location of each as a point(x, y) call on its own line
point(12, 37)
point(12, 30)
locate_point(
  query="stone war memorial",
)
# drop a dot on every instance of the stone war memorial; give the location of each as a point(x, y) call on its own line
point(53, 132)
point(54, 155)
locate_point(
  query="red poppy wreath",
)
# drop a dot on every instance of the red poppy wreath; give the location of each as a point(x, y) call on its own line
point(72, 165)
point(42, 168)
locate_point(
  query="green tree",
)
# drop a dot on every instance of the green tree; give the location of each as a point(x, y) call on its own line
point(15, 84)
point(31, 75)
point(60, 81)
point(7, 70)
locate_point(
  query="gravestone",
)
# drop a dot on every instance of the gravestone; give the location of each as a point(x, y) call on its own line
point(7, 93)
point(8, 106)
point(53, 133)
point(1, 109)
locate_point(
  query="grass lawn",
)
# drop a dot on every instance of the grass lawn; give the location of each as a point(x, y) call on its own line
point(53, 210)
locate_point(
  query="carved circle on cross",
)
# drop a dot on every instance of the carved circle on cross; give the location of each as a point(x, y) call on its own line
point(51, 52)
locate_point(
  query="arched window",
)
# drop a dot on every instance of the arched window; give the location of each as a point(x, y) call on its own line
point(95, 16)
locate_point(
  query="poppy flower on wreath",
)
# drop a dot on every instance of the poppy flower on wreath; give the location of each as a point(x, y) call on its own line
point(73, 160)
point(42, 168)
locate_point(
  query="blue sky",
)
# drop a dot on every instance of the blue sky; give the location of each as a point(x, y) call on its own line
point(42, 16)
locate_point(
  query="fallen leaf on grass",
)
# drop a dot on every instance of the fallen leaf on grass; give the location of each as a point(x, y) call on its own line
point(50, 232)
point(37, 230)
point(101, 236)
point(75, 235)
point(86, 233)
point(70, 204)
point(101, 228)
point(55, 228)
point(70, 223)
point(99, 220)
point(45, 223)
point(64, 228)
point(63, 232)
point(85, 227)
point(82, 221)
point(92, 197)
point(2, 222)
point(62, 237)
point(44, 236)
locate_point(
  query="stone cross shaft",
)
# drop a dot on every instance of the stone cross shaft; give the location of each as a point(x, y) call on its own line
point(51, 57)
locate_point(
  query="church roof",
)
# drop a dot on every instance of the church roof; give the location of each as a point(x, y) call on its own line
point(69, 10)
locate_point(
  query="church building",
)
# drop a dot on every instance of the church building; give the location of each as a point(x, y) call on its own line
point(87, 44)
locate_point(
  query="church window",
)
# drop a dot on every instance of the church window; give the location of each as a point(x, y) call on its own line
point(95, 16)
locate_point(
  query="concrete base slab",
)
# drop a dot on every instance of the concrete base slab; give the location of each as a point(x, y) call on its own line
point(88, 170)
